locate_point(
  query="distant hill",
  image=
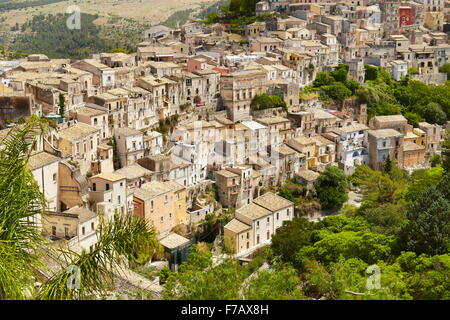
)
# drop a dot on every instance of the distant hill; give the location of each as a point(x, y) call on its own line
point(149, 12)
point(39, 26)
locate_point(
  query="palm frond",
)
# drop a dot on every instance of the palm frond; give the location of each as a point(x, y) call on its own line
point(118, 238)
point(20, 203)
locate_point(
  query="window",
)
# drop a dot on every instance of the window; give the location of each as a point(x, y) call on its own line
point(257, 239)
point(54, 177)
point(83, 231)
point(92, 225)
point(162, 219)
point(94, 187)
point(66, 232)
point(278, 216)
point(268, 235)
point(107, 186)
point(118, 199)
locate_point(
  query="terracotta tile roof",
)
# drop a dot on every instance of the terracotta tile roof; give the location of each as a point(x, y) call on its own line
point(253, 211)
point(41, 159)
point(77, 131)
point(237, 226)
point(173, 241)
point(134, 171)
point(272, 202)
point(110, 176)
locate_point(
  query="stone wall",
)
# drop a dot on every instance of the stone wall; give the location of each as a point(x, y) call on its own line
point(13, 108)
point(431, 78)
point(269, 113)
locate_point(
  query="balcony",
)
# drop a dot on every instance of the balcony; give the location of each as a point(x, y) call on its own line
point(136, 149)
point(384, 147)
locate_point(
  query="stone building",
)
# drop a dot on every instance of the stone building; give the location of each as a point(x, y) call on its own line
point(237, 90)
point(256, 223)
point(235, 186)
point(395, 122)
point(384, 144)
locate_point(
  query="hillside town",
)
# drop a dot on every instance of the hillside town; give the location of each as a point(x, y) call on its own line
point(181, 130)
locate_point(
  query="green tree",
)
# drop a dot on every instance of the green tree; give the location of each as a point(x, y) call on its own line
point(421, 180)
point(413, 70)
point(413, 118)
point(365, 245)
point(282, 283)
point(387, 165)
point(427, 277)
point(322, 79)
point(387, 218)
point(195, 276)
point(386, 109)
point(62, 105)
point(433, 113)
point(291, 237)
point(352, 85)
point(212, 17)
point(435, 161)
point(340, 73)
point(446, 151)
point(428, 229)
point(336, 91)
point(445, 68)
point(371, 73)
point(378, 187)
point(332, 188)
point(265, 101)
point(119, 50)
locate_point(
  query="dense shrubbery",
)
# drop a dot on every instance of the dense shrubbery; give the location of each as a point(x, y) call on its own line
point(416, 100)
point(403, 226)
point(14, 5)
point(332, 188)
point(402, 230)
point(265, 101)
point(51, 36)
point(237, 14)
point(334, 86)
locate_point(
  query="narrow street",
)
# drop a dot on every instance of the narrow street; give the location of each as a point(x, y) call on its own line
point(354, 198)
